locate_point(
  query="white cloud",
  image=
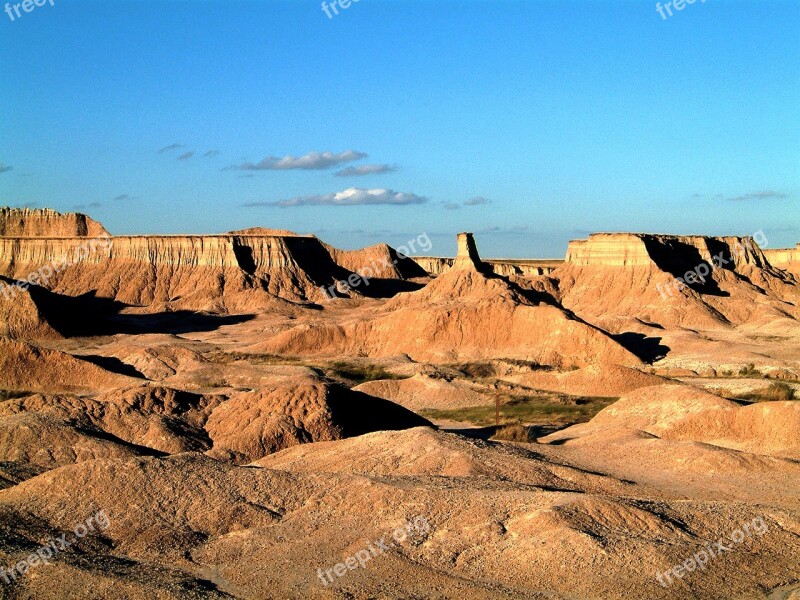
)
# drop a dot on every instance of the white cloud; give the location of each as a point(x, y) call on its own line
point(349, 197)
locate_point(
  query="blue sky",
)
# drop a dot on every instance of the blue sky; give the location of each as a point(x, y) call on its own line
point(530, 123)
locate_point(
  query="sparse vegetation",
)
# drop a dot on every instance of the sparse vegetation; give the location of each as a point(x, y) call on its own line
point(556, 409)
point(357, 373)
point(225, 358)
point(777, 390)
point(750, 371)
point(515, 432)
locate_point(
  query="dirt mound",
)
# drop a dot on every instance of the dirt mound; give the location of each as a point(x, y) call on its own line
point(294, 411)
point(461, 315)
point(30, 368)
point(684, 413)
point(594, 380)
point(44, 222)
point(219, 521)
point(38, 440)
point(379, 261)
point(422, 391)
point(425, 452)
point(20, 315)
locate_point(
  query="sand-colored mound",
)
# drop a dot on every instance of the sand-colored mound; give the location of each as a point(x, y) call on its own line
point(294, 411)
point(160, 419)
point(422, 391)
point(461, 315)
point(379, 261)
point(30, 368)
point(527, 541)
point(44, 222)
point(595, 380)
point(425, 452)
point(38, 440)
point(20, 316)
point(684, 413)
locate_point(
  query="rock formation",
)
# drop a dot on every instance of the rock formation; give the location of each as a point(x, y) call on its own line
point(39, 222)
point(612, 279)
point(785, 258)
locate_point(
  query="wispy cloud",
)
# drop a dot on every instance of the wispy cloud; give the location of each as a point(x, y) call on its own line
point(90, 205)
point(124, 197)
point(170, 147)
point(211, 154)
point(502, 230)
point(763, 195)
point(476, 201)
point(349, 197)
point(362, 170)
point(186, 155)
point(4, 167)
point(309, 162)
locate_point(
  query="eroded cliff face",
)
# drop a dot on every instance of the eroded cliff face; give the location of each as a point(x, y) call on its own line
point(195, 271)
point(693, 281)
point(785, 258)
point(36, 222)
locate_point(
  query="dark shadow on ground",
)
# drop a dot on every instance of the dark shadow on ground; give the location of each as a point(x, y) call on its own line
point(648, 349)
point(88, 315)
point(113, 364)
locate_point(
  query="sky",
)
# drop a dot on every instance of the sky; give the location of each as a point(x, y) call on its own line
point(529, 123)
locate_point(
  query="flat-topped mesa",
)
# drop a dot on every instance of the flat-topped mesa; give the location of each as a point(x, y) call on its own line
point(45, 222)
point(665, 251)
point(467, 256)
point(785, 258)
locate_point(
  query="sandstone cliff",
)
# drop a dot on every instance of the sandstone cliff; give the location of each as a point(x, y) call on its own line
point(611, 279)
point(464, 314)
point(785, 258)
point(36, 222)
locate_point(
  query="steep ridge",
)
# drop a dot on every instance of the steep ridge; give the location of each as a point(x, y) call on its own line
point(463, 314)
point(381, 261)
point(614, 279)
point(37, 222)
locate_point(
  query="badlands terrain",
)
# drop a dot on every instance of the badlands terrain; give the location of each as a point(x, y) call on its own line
point(250, 425)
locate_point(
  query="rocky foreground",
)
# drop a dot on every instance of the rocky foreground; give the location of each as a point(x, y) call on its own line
point(207, 417)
